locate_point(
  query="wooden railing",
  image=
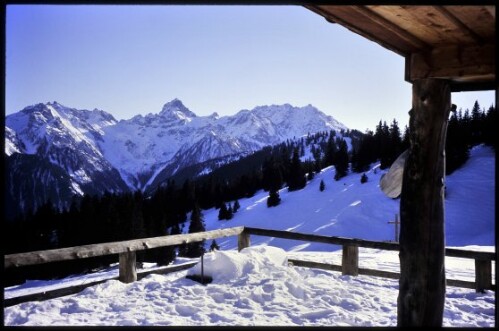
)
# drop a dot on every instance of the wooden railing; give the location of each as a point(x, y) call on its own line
point(350, 257)
point(349, 266)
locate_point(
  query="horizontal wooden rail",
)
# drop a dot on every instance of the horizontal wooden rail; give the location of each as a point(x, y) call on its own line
point(59, 292)
point(322, 239)
point(86, 251)
point(391, 246)
point(378, 273)
point(350, 256)
point(127, 256)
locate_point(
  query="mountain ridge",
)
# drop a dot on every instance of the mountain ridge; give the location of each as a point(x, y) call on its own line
point(130, 154)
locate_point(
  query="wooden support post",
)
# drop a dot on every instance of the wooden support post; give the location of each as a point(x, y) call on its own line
point(396, 223)
point(350, 260)
point(243, 240)
point(128, 272)
point(483, 275)
point(422, 238)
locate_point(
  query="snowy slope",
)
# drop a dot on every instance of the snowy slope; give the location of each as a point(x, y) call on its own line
point(258, 287)
point(351, 209)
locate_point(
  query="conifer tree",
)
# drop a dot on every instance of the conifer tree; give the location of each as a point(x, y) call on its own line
point(297, 178)
point(196, 249)
point(230, 213)
point(214, 246)
point(341, 165)
point(236, 206)
point(273, 199)
point(331, 150)
point(394, 143)
point(310, 175)
point(456, 144)
point(222, 213)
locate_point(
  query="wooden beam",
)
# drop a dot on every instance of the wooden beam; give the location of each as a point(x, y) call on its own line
point(453, 62)
point(50, 294)
point(322, 239)
point(350, 260)
point(378, 273)
point(491, 10)
point(85, 251)
point(454, 252)
point(128, 270)
point(422, 237)
point(405, 35)
point(328, 13)
point(483, 274)
point(243, 240)
point(460, 25)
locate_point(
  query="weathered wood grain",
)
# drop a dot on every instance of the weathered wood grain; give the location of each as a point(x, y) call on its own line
point(85, 251)
point(422, 237)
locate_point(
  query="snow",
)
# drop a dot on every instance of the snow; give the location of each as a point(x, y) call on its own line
point(258, 286)
point(253, 287)
point(11, 142)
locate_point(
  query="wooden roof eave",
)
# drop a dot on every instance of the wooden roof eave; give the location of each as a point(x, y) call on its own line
point(463, 56)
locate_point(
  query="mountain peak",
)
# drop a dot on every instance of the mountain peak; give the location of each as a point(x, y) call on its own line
point(176, 109)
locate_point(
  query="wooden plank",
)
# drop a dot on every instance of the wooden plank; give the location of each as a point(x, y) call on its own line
point(243, 240)
point(378, 273)
point(60, 292)
point(459, 63)
point(71, 253)
point(437, 27)
point(483, 274)
point(41, 296)
point(85, 251)
point(454, 252)
point(357, 23)
point(414, 22)
point(422, 237)
point(322, 239)
point(317, 265)
point(350, 260)
point(463, 28)
point(389, 26)
point(478, 18)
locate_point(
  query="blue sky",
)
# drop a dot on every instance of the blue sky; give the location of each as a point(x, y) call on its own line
point(130, 60)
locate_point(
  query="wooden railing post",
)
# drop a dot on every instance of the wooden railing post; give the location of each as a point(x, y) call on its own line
point(483, 275)
point(350, 260)
point(243, 240)
point(128, 272)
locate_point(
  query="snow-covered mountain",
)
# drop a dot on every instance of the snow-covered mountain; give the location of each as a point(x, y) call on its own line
point(91, 152)
point(53, 154)
point(146, 147)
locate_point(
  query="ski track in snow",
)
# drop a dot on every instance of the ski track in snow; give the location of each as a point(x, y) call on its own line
point(257, 286)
